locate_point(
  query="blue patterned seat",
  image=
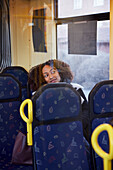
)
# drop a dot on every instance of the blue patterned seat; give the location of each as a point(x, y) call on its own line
point(10, 120)
point(21, 75)
point(101, 111)
point(58, 133)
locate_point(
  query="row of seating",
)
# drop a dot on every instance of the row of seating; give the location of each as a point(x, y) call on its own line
point(13, 90)
point(59, 107)
point(57, 122)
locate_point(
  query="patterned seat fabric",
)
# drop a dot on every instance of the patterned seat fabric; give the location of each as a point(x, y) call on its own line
point(101, 111)
point(52, 100)
point(103, 99)
point(21, 75)
point(10, 120)
point(58, 133)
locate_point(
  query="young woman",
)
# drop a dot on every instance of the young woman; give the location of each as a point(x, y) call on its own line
point(37, 77)
point(52, 71)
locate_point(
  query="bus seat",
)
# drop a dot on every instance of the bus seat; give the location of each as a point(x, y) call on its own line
point(57, 128)
point(101, 111)
point(10, 120)
point(20, 74)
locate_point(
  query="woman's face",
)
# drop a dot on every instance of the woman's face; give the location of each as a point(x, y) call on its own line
point(51, 75)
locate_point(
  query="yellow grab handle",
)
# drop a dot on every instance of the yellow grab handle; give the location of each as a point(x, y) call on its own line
point(28, 120)
point(107, 157)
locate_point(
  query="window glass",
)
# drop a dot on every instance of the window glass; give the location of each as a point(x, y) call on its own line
point(87, 69)
point(72, 8)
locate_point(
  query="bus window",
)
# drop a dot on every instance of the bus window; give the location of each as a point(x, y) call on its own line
point(93, 66)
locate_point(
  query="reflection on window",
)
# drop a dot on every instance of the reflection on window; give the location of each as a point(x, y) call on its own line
point(98, 2)
point(77, 4)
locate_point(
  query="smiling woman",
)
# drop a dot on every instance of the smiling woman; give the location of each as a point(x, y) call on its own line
point(52, 71)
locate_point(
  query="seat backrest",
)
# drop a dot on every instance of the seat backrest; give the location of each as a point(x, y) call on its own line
point(58, 132)
point(10, 120)
point(21, 75)
point(101, 111)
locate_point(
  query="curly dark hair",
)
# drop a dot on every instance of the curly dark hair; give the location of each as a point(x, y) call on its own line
point(36, 79)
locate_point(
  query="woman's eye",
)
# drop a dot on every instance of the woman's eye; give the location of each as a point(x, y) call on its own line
point(53, 71)
point(45, 76)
